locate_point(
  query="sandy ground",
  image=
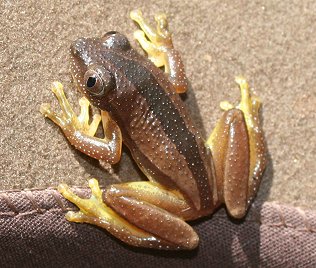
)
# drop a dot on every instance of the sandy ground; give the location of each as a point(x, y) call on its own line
point(272, 43)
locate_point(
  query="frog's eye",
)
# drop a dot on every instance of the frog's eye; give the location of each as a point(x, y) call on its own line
point(99, 81)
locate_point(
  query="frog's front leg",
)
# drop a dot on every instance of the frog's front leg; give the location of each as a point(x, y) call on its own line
point(141, 214)
point(160, 48)
point(239, 153)
point(80, 133)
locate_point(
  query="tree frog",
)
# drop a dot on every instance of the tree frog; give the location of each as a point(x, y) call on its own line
point(139, 102)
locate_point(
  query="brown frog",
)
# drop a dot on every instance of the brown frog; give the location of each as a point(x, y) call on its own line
point(140, 106)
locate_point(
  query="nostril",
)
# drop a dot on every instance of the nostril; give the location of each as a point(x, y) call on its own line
point(73, 50)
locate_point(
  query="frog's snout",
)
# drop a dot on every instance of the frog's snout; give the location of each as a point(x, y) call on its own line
point(77, 47)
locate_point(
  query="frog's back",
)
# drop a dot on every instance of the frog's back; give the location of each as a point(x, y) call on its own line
point(158, 130)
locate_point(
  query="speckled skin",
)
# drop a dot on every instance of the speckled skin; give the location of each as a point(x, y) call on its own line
point(140, 106)
point(155, 125)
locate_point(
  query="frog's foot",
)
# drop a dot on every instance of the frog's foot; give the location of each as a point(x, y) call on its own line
point(238, 149)
point(95, 211)
point(159, 39)
point(88, 207)
point(80, 132)
point(159, 48)
point(249, 104)
point(67, 119)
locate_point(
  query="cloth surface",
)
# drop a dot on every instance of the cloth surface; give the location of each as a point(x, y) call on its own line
point(34, 233)
point(271, 43)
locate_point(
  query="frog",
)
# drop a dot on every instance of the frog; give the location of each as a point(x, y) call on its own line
point(140, 106)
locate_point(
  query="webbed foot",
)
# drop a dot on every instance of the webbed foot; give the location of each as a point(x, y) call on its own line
point(89, 208)
point(67, 120)
point(80, 132)
point(159, 48)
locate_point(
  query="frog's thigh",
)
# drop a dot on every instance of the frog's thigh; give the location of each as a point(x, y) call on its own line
point(155, 210)
point(155, 194)
point(134, 222)
point(230, 151)
point(80, 133)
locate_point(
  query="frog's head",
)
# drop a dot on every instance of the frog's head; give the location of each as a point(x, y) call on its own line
point(91, 66)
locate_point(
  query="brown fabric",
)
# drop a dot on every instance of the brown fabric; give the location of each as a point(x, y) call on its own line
point(271, 43)
point(34, 233)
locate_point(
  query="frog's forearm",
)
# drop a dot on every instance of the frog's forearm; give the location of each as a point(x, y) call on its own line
point(102, 149)
point(80, 133)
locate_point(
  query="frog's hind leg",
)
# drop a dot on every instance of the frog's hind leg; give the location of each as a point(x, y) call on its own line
point(135, 222)
point(238, 150)
point(94, 211)
point(80, 132)
point(159, 48)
